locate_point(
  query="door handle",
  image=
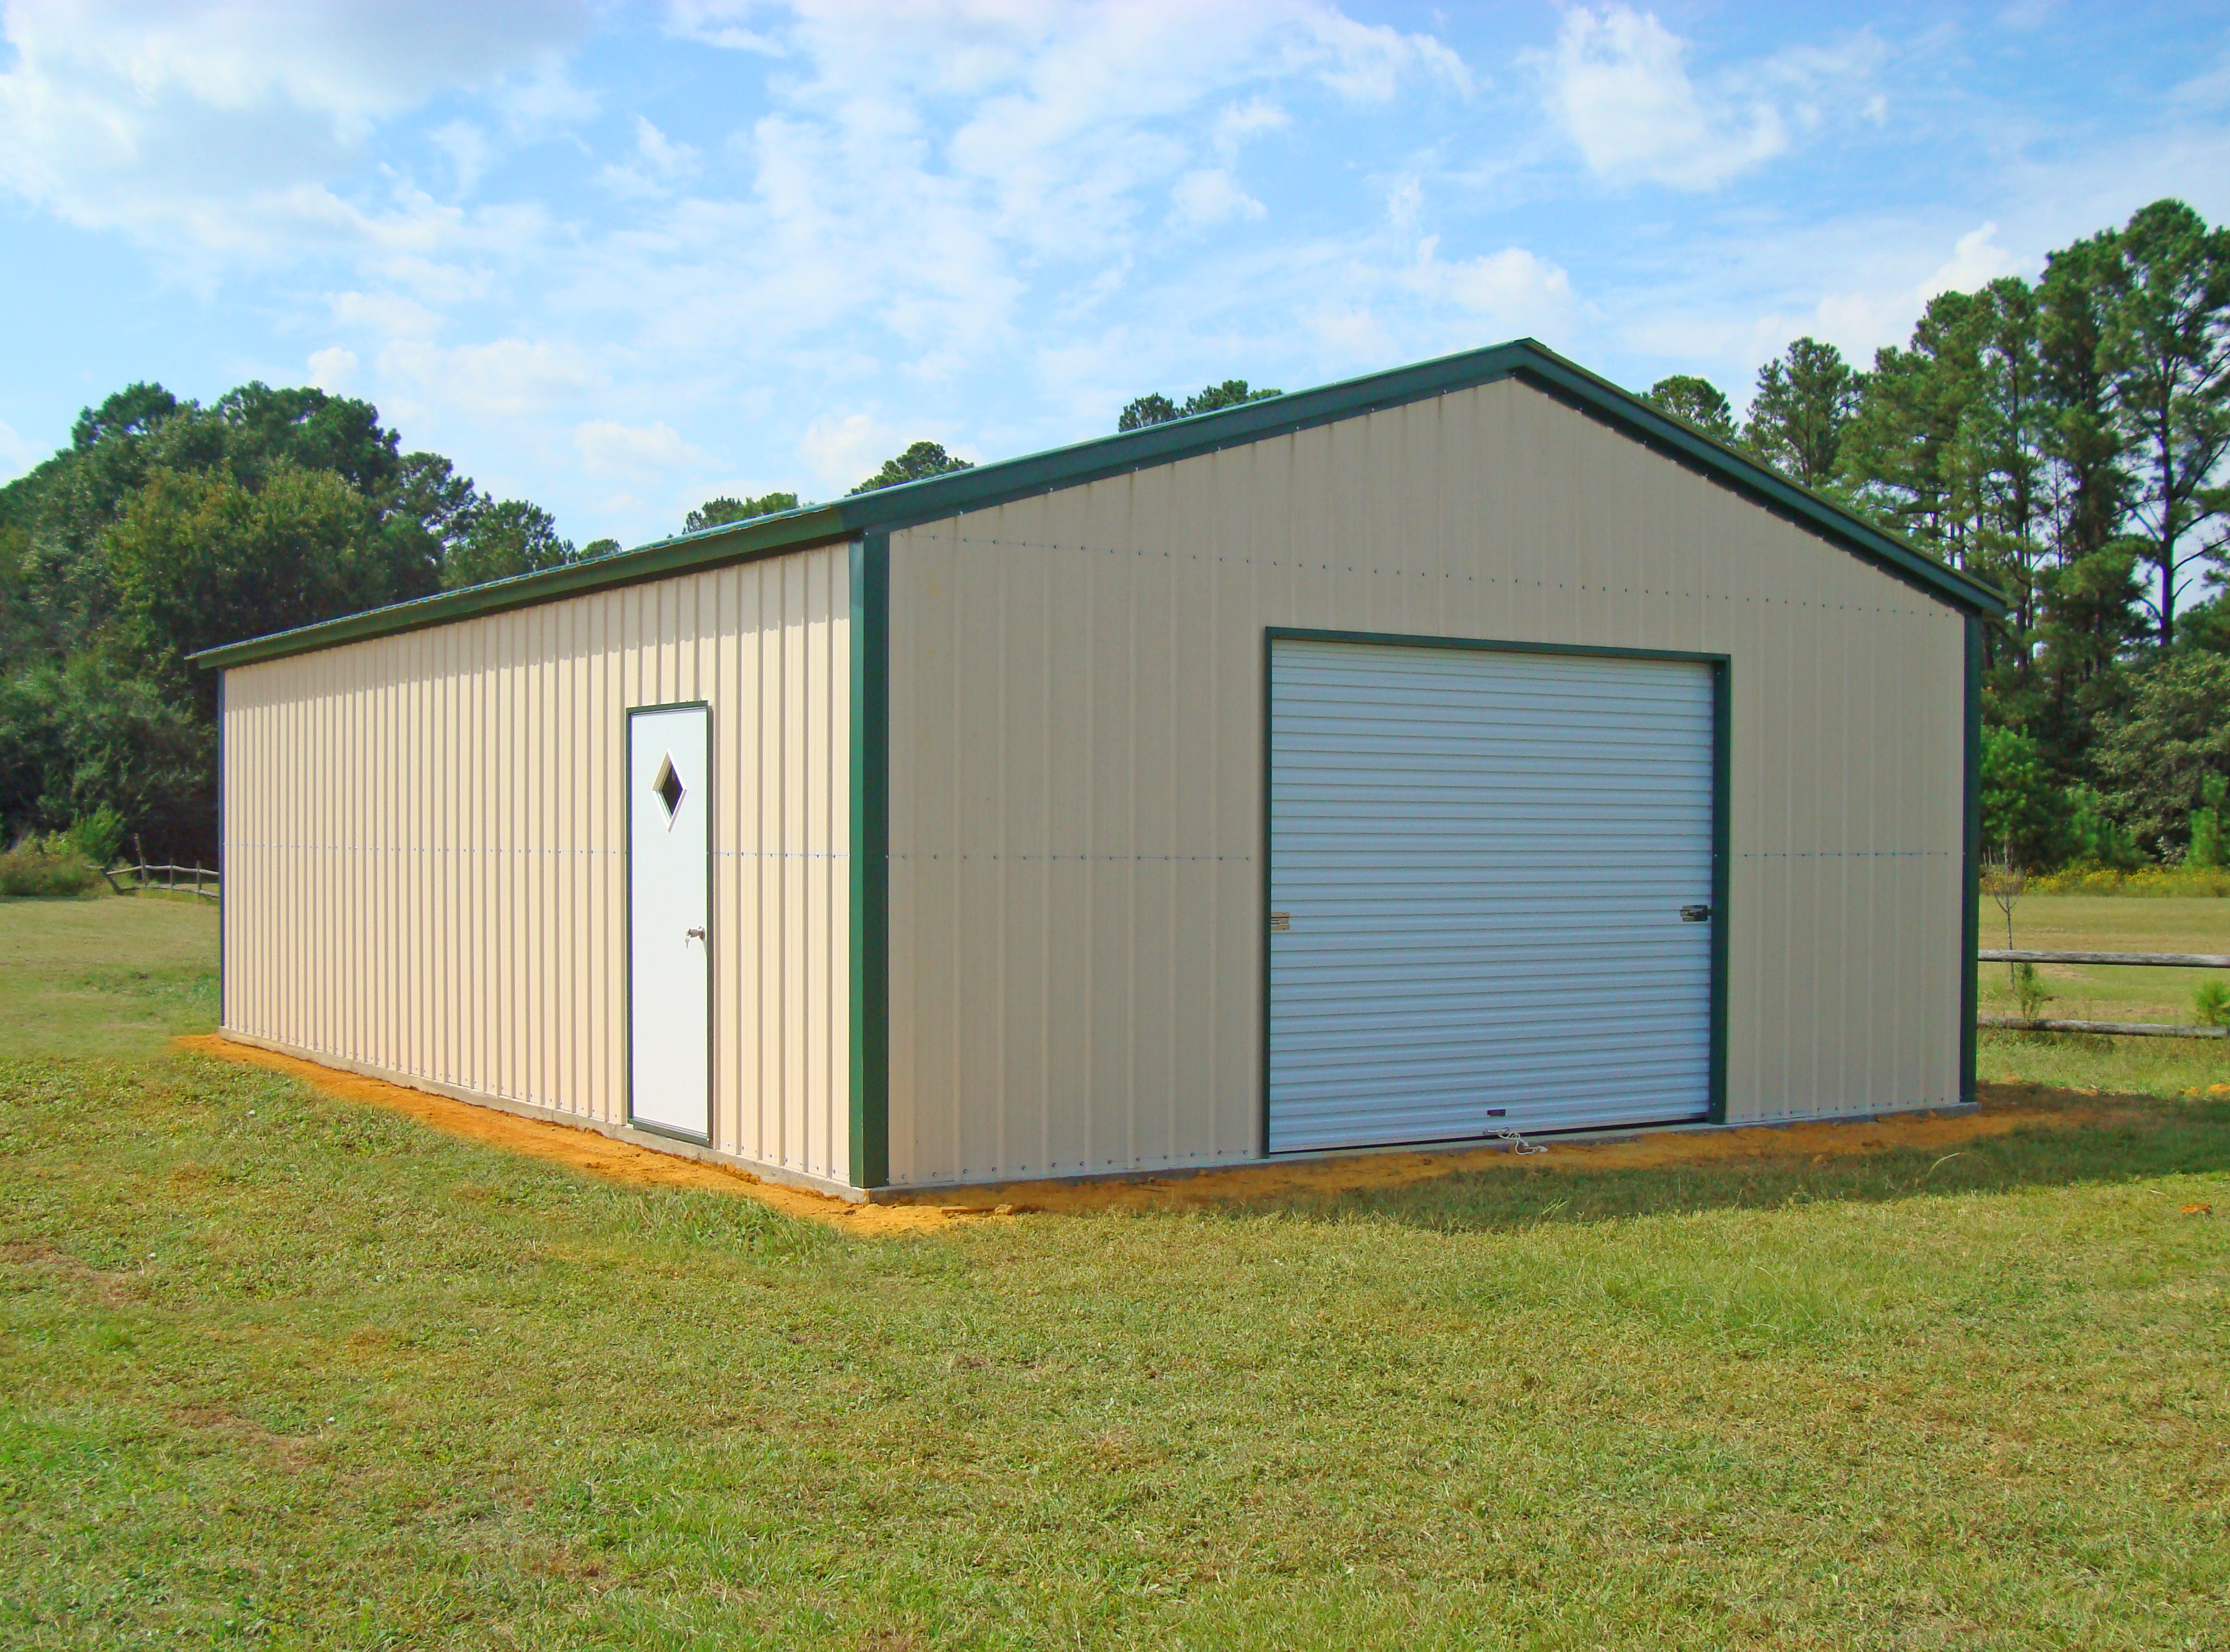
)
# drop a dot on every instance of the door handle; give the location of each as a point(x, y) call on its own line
point(688, 934)
point(1695, 915)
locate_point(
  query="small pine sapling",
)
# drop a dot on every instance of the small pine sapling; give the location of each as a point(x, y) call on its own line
point(2210, 1004)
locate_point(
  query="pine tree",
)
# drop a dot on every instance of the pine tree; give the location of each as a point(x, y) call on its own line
point(1697, 401)
point(1909, 454)
point(2087, 590)
point(2166, 350)
point(1804, 400)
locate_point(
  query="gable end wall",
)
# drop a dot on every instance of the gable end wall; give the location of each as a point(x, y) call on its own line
point(1076, 745)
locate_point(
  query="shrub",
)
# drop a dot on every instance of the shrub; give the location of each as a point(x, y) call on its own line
point(49, 866)
point(2090, 877)
point(2207, 823)
point(2210, 1004)
point(2092, 834)
point(99, 836)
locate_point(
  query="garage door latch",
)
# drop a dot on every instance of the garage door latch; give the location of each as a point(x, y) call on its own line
point(1281, 920)
point(1695, 915)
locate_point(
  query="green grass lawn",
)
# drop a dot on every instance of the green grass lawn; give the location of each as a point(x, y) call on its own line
point(105, 975)
point(277, 1370)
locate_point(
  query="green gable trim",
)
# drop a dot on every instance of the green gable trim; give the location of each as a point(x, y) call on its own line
point(914, 502)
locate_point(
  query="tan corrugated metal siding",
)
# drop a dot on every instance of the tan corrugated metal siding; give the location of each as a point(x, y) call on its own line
point(424, 848)
point(1076, 752)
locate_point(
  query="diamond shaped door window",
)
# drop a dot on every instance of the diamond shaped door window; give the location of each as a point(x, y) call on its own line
point(669, 787)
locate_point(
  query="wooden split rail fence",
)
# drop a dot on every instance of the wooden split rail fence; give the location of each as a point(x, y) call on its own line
point(204, 882)
point(2117, 1029)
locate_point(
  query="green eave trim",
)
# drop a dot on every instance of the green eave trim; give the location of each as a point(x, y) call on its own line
point(893, 508)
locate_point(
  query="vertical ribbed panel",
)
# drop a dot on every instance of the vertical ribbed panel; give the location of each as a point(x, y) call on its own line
point(1077, 724)
point(424, 845)
point(1483, 858)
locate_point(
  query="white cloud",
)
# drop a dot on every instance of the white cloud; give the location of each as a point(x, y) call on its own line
point(332, 369)
point(1241, 121)
point(612, 451)
point(1212, 197)
point(1513, 290)
point(841, 451)
point(720, 22)
point(468, 150)
point(442, 282)
point(1858, 319)
point(1619, 84)
point(1351, 334)
point(388, 314)
point(543, 100)
point(510, 378)
point(230, 125)
point(1976, 261)
point(658, 162)
point(1404, 202)
point(1369, 61)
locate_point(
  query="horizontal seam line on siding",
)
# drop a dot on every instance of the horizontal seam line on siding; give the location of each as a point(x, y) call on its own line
point(1125, 860)
point(1846, 854)
point(524, 849)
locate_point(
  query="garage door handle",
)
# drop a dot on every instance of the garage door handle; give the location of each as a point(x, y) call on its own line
point(1695, 915)
point(692, 934)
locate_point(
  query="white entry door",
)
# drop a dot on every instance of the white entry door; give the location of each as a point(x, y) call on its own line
point(1490, 892)
point(670, 904)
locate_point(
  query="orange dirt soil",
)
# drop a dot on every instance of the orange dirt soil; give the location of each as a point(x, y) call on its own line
point(2005, 1106)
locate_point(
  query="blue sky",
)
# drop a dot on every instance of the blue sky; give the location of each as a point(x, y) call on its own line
point(617, 259)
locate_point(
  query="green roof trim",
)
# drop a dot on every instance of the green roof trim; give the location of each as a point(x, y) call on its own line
point(914, 502)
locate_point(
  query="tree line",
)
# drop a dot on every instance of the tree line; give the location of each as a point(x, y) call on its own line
point(2065, 440)
point(165, 527)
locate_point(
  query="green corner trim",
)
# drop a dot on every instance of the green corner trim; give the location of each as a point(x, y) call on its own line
point(1971, 863)
point(891, 508)
point(870, 862)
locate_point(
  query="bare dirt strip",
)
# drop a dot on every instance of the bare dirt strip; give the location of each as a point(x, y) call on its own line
point(2004, 1107)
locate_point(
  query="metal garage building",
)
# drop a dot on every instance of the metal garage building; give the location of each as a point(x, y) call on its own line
point(1461, 748)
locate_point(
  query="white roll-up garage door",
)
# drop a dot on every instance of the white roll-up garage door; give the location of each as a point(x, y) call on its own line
point(1480, 861)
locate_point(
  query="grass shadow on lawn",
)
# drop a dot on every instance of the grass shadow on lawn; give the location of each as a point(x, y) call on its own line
point(2078, 1141)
